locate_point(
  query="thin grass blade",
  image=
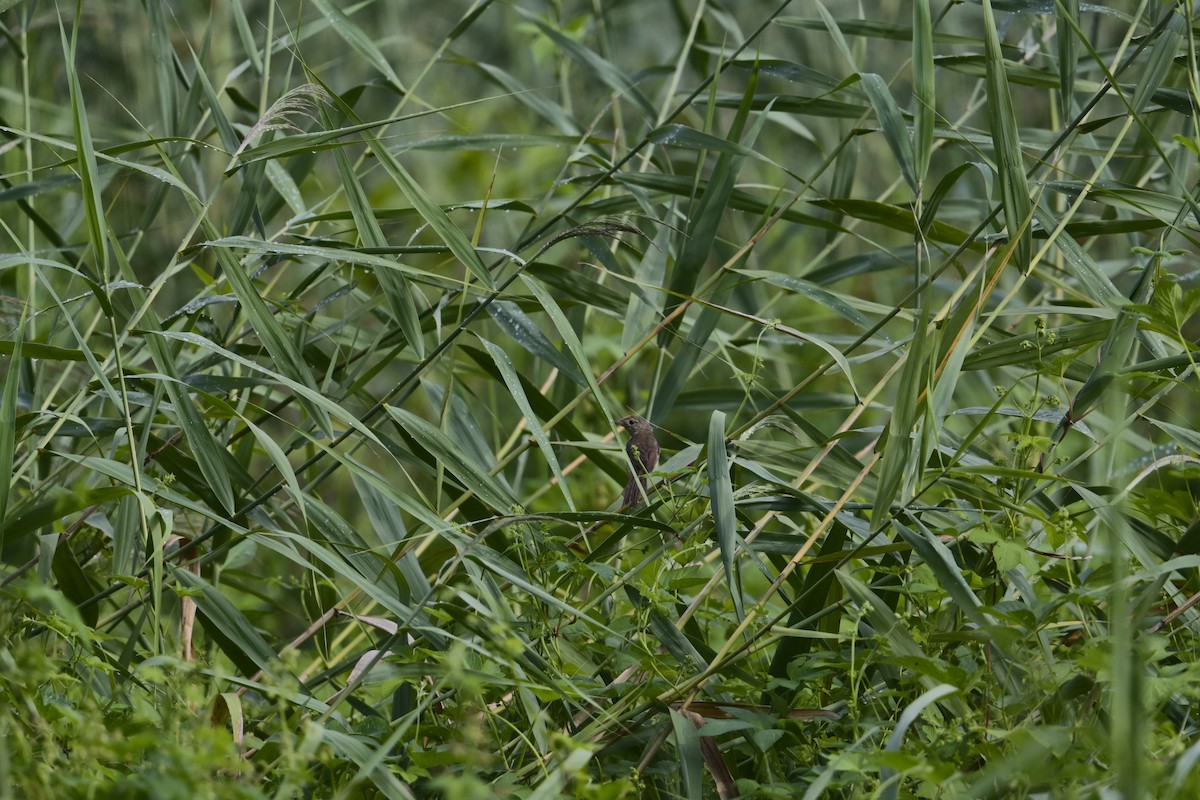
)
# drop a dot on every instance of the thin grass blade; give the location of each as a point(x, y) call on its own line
point(8, 421)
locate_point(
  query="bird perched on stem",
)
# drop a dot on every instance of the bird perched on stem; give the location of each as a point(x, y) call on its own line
point(642, 449)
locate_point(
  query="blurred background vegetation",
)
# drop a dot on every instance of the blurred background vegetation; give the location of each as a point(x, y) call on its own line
point(317, 318)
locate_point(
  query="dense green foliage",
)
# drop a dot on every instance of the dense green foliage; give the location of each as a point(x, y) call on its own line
point(317, 318)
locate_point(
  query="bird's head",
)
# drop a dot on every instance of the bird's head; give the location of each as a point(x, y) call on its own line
point(633, 423)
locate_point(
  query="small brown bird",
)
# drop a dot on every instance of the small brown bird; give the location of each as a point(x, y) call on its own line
point(642, 449)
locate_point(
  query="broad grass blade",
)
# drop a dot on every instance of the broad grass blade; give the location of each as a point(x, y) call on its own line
point(1067, 13)
point(720, 495)
point(535, 426)
point(1162, 57)
point(227, 625)
point(894, 130)
point(691, 763)
point(924, 100)
point(354, 36)
point(73, 582)
point(897, 466)
point(1002, 119)
point(430, 211)
point(395, 288)
point(455, 460)
point(526, 334)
